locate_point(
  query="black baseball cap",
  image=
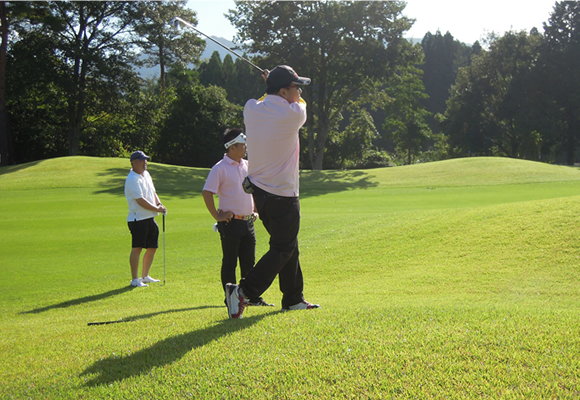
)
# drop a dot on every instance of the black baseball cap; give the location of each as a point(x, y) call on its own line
point(139, 155)
point(283, 76)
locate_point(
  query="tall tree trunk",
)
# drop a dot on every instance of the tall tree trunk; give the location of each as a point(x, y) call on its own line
point(5, 136)
point(319, 144)
point(571, 139)
point(76, 113)
point(74, 135)
point(162, 69)
point(73, 105)
point(310, 125)
point(316, 144)
point(317, 162)
point(76, 107)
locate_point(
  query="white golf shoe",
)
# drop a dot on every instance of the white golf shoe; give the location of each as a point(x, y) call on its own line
point(137, 283)
point(148, 279)
point(303, 305)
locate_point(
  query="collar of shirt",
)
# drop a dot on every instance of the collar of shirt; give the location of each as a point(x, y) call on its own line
point(275, 98)
point(232, 161)
point(229, 160)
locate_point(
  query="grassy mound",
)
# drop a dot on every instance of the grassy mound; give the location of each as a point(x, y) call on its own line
point(451, 279)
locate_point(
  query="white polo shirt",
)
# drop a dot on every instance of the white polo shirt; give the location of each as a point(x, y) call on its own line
point(225, 179)
point(136, 187)
point(273, 144)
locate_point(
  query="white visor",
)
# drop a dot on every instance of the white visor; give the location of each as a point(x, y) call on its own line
point(241, 138)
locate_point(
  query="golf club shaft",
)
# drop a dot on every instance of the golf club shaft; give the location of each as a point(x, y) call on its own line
point(177, 19)
point(108, 322)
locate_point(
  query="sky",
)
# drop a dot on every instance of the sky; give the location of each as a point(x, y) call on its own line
point(466, 20)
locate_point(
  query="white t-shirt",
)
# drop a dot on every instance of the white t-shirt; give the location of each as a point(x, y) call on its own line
point(136, 187)
point(225, 179)
point(273, 141)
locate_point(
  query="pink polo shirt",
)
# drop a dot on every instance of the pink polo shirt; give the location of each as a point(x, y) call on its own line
point(225, 179)
point(273, 144)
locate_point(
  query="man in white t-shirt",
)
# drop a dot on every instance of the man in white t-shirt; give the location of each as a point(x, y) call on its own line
point(236, 212)
point(144, 206)
point(272, 129)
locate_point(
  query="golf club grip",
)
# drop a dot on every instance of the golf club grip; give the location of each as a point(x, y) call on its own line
point(163, 222)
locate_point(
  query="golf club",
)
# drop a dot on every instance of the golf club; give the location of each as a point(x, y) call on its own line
point(165, 213)
point(108, 322)
point(175, 22)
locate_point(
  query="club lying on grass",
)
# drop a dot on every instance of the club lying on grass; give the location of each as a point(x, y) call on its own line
point(108, 322)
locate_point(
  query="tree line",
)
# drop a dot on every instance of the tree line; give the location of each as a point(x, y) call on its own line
point(68, 83)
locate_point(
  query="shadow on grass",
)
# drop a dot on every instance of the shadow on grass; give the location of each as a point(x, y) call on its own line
point(165, 352)
point(182, 182)
point(169, 181)
point(146, 316)
point(315, 183)
point(82, 300)
point(13, 168)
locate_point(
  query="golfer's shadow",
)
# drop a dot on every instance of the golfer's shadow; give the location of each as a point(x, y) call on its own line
point(165, 352)
point(151, 315)
point(82, 300)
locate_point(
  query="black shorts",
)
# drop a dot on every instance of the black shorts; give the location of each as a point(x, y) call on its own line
point(145, 233)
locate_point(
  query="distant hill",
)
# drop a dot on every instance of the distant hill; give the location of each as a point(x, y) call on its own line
point(414, 40)
point(209, 49)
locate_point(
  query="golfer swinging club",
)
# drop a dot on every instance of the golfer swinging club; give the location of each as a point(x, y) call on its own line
point(144, 206)
point(272, 125)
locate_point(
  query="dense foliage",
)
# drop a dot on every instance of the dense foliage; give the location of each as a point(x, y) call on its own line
point(68, 83)
point(444, 56)
point(344, 47)
point(519, 98)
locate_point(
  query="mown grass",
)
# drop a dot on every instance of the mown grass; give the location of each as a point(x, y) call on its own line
point(456, 279)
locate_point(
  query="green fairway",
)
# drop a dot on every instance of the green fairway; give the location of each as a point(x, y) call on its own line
point(454, 279)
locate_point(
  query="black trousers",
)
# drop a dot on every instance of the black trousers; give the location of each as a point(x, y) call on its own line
point(281, 218)
point(238, 242)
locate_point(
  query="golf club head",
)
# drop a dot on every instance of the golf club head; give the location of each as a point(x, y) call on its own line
point(175, 23)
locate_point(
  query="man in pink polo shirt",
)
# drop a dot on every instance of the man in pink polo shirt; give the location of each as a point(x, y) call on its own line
point(235, 215)
point(272, 129)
